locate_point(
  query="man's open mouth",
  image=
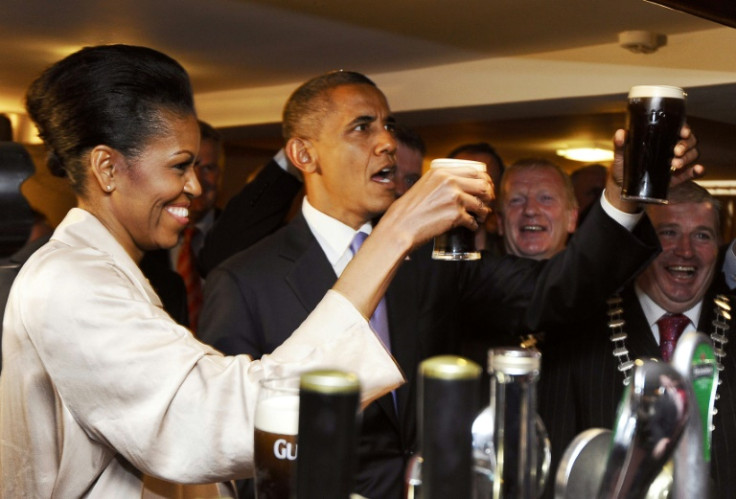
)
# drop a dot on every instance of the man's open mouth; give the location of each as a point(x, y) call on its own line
point(385, 175)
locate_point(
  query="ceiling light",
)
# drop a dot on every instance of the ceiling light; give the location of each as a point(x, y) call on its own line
point(586, 154)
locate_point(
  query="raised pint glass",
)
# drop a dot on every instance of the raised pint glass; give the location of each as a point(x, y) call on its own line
point(457, 243)
point(656, 113)
point(276, 429)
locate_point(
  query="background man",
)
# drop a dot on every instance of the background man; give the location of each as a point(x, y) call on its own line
point(339, 133)
point(537, 212)
point(410, 152)
point(537, 209)
point(581, 385)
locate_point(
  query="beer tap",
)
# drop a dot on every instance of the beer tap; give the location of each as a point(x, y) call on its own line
point(448, 401)
point(511, 450)
point(651, 418)
point(695, 360)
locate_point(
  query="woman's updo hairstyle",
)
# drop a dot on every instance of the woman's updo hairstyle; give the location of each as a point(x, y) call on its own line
point(108, 94)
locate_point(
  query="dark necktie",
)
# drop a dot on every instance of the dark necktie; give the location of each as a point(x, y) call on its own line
point(186, 267)
point(671, 327)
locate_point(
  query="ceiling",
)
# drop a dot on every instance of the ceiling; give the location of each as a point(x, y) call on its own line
point(527, 76)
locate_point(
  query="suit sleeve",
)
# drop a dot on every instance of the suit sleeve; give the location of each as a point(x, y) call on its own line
point(225, 321)
point(255, 212)
point(600, 259)
point(511, 296)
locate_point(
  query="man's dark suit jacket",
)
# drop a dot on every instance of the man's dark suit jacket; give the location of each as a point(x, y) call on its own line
point(580, 386)
point(258, 210)
point(256, 299)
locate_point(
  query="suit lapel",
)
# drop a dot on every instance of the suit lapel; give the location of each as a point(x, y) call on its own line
point(403, 319)
point(641, 342)
point(311, 275)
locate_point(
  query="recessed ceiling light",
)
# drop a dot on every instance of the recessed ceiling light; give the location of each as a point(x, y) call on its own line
point(586, 154)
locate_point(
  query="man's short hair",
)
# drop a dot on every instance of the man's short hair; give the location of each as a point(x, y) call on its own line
point(527, 164)
point(308, 103)
point(479, 148)
point(410, 139)
point(692, 192)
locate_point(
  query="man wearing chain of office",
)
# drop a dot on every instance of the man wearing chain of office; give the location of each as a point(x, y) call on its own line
point(583, 378)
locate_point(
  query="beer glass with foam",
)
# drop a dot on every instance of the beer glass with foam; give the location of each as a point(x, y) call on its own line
point(275, 438)
point(656, 113)
point(457, 243)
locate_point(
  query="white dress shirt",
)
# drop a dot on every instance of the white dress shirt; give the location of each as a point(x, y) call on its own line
point(654, 312)
point(100, 385)
point(333, 236)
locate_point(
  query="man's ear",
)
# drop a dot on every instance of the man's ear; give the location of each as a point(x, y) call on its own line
point(499, 222)
point(102, 163)
point(302, 154)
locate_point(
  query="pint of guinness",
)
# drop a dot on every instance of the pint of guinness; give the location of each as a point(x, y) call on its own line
point(654, 119)
point(276, 430)
point(457, 243)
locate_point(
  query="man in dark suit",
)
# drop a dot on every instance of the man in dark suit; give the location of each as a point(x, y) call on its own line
point(338, 129)
point(581, 383)
point(258, 210)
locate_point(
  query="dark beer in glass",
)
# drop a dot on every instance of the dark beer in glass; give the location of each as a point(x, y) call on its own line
point(457, 243)
point(653, 121)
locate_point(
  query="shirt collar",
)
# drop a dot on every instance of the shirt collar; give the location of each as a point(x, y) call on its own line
point(654, 312)
point(333, 236)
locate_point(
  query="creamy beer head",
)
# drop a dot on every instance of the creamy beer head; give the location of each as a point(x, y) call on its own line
point(455, 163)
point(278, 415)
point(656, 91)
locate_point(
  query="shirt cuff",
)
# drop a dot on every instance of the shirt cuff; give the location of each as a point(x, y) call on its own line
point(626, 220)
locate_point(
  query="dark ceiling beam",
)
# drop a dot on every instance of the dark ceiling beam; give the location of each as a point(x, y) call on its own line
point(720, 11)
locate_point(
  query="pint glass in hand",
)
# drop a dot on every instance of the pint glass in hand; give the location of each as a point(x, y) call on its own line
point(457, 243)
point(654, 119)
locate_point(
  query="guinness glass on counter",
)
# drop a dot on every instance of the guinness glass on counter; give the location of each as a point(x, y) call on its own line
point(328, 434)
point(276, 425)
point(448, 402)
point(654, 119)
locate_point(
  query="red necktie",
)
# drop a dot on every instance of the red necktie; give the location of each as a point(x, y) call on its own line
point(186, 267)
point(670, 329)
